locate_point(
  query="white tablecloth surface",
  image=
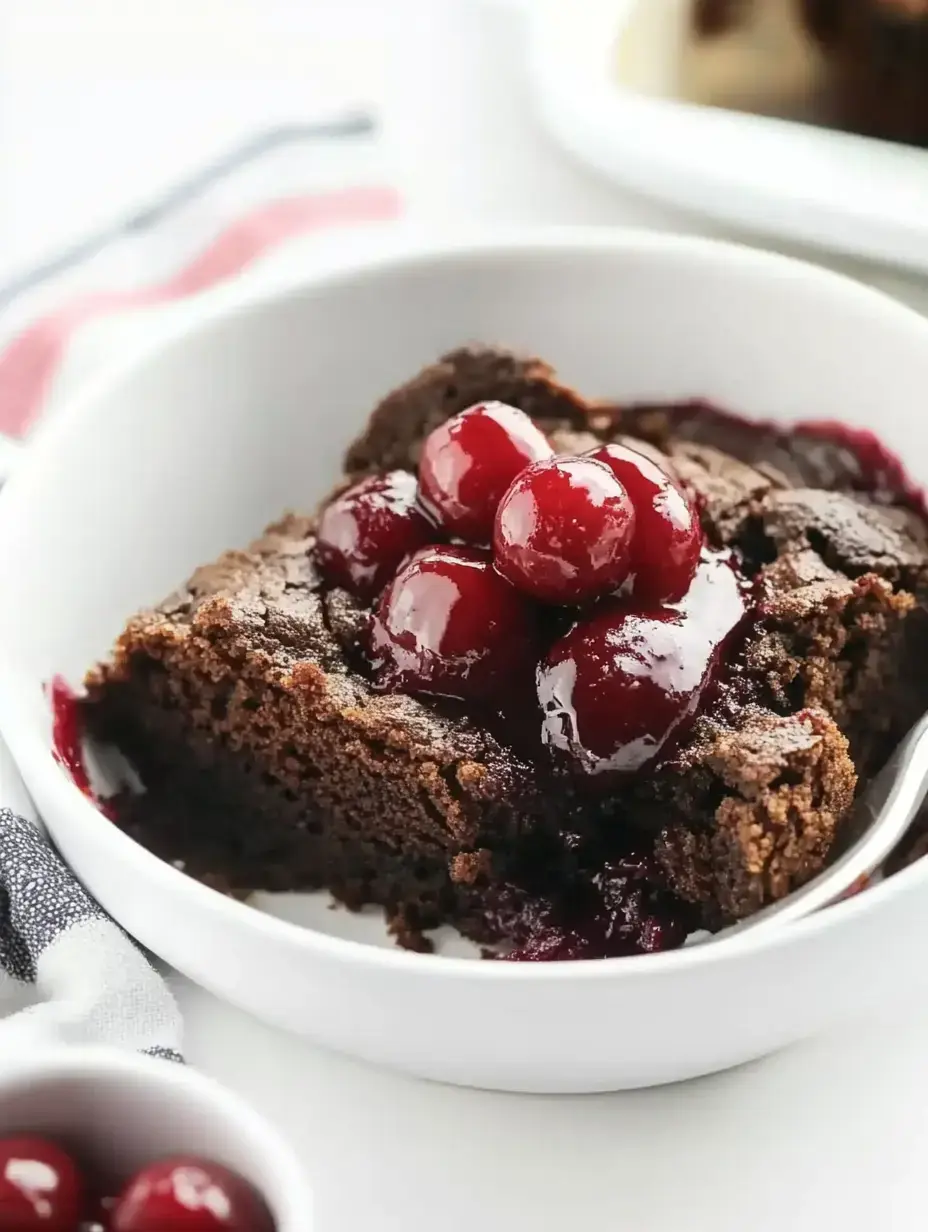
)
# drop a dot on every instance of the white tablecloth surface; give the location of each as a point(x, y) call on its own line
point(830, 1134)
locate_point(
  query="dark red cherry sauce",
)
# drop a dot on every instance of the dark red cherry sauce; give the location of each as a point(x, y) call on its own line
point(68, 742)
point(817, 453)
point(67, 733)
point(620, 910)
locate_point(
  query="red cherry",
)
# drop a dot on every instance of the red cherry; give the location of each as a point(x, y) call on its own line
point(189, 1195)
point(449, 625)
point(668, 537)
point(368, 531)
point(40, 1187)
point(563, 531)
point(100, 1215)
point(469, 461)
point(618, 685)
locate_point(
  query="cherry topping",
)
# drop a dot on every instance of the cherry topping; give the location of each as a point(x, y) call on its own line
point(621, 683)
point(368, 531)
point(100, 1216)
point(668, 537)
point(40, 1187)
point(623, 910)
point(189, 1195)
point(564, 531)
point(449, 625)
point(469, 461)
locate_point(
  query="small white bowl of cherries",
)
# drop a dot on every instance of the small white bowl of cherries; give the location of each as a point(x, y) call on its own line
point(94, 1140)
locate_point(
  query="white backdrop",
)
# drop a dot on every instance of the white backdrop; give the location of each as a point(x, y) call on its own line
point(102, 102)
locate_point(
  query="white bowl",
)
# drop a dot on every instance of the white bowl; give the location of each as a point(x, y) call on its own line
point(199, 442)
point(119, 1111)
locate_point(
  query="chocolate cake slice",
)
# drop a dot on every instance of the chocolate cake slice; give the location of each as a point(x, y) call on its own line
point(271, 759)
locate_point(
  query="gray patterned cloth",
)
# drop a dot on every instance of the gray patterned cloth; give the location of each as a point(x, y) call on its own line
point(69, 972)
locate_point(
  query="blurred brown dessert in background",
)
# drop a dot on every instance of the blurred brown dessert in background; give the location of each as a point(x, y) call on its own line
point(874, 56)
point(748, 55)
point(713, 17)
point(878, 56)
point(822, 18)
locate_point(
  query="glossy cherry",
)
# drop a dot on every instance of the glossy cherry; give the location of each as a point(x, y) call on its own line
point(184, 1194)
point(100, 1215)
point(366, 532)
point(40, 1187)
point(615, 688)
point(449, 625)
point(564, 530)
point(469, 461)
point(668, 536)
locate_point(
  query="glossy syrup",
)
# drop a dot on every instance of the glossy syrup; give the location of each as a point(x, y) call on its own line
point(68, 742)
point(68, 735)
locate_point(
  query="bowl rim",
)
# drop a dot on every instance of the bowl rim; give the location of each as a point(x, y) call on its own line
point(411, 251)
point(694, 155)
point(291, 1196)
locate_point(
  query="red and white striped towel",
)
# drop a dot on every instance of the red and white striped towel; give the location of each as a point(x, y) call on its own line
point(253, 210)
point(240, 216)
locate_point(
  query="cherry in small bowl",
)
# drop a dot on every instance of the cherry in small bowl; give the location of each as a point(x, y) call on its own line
point(189, 1194)
point(564, 531)
point(469, 461)
point(450, 625)
point(44, 1189)
point(41, 1187)
point(114, 1113)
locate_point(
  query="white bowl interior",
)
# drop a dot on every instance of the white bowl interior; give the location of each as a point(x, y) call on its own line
point(117, 1113)
point(196, 446)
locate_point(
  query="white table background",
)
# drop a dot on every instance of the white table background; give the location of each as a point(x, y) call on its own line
point(101, 103)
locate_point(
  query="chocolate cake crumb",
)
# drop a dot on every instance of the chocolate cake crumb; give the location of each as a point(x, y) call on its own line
point(784, 784)
point(400, 423)
point(472, 867)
